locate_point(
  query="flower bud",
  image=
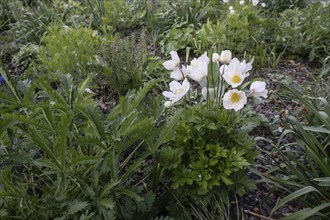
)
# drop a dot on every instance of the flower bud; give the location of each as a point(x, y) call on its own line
point(168, 104)
point(225, 56)
point(215, 57)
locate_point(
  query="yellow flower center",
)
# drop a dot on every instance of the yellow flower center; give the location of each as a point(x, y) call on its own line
point(179, 91)
point(235, 97)
point(236, 79)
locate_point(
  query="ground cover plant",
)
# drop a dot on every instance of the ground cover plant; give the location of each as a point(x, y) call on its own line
point(173, 109)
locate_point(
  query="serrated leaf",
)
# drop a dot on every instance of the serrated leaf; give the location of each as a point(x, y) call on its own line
point(76, 206)
point(107, 203)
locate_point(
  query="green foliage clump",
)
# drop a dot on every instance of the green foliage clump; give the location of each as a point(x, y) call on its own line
point(281, 5)
point(61, 158)
point(176, 39)
point(32, 26)
point(304, 171)
point(69, 50)
point(246, 32)
point(304, 32)
point(116, 13)
point(8, 13)
point(209, 151)
point(125, 61)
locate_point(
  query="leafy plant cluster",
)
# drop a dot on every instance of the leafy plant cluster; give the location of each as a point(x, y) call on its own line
point(62, 159)
point(69, 50)
point(209, 151)
point(125, 61)
point(303, 32)
point(304, 179)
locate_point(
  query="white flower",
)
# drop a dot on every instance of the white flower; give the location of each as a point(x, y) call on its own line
point(179, 74)
point(232, 12)
point(236, 72)
point(263, 5)
point(231, 8)
point(225, 56)
point(198, 69)
point(223, 69)
point(241, 2)
point(177, 90)
point(168, 104)
point(234, 99)
point(258, 89)
point(215, 57)
point(225, 1)
point(204, 58)
point(173, 63)
point(88, 91)
point(52, 103)
point(255, 2)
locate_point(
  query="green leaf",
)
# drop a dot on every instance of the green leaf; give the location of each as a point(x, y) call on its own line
point(167, 131)
point(323, 181)
point(62, 136)
point(131, 194)
point(317, 129)
point(295, 195)
point(94, 117)
point(308, 212)
point(76, 206)
point(107, 203)
point(25, 120)
point(110, 187)
point(10, 83)
point(85, 160)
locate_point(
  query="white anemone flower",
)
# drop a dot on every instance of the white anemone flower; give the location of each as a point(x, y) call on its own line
point(173, 63)
point(198, 69)
point(258, 89)
point(263, 5)
point(177, 90)
point(234, 99)
point(255, 2)
point(222, 69)
point(179, 74)
point(225, 1)
point(204, 58)
point(231, 8)
point(232, 12)
point(241, 2)
point(236, 72)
